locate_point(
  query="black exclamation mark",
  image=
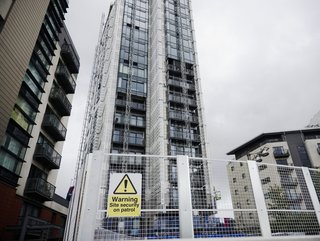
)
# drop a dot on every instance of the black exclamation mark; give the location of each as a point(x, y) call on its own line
point(125, 185)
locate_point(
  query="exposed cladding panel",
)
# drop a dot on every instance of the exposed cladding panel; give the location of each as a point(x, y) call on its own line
point(17, 40)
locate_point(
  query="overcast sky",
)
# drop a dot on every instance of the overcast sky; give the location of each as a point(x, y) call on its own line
point(259, 66)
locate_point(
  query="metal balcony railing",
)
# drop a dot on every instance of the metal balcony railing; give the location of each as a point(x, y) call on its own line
point(65, 79)
point(189, 71)
point(136, 123)
point(178, 82)
point(281, 153)
point(175, 68)
point(39, 188)
point(54, 127)
point(131, 140)
point(182, 99)
point(60, 101)
point(178, 115)
point(133, 105)
point(48, 155)
point(70, 57)
point(184, 136)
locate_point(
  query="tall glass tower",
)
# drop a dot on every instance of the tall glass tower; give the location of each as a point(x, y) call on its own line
point(145, 95)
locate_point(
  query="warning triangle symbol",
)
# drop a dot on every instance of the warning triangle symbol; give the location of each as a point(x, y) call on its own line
point(125, 186)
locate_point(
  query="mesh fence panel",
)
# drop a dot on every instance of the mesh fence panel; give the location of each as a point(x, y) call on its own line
point(224, 206)
point(315, 176)
point(288, 201)
point(222, 196)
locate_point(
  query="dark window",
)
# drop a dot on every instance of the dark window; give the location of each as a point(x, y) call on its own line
point(262, 167)
point(304, 156)
point(265, 180)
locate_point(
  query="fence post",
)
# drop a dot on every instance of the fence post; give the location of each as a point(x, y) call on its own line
point(185, 201)
point(90, 194)
point(259, 199)
point(312, 192)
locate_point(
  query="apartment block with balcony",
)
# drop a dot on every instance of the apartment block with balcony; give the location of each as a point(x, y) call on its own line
point(39, 66)
point(288, 148)
point(145, 98)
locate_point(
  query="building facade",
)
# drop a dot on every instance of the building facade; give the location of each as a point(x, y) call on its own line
point(299, 148)
point(145, 96)
point(38, 66)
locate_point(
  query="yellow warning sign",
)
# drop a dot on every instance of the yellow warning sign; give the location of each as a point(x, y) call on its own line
point(124, 206)
point(124, 199)
point(125, 186)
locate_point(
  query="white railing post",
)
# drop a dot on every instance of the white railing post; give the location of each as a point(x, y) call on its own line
point(259, 199)
point(185, 200)
point(312, 192)
point(90, 193)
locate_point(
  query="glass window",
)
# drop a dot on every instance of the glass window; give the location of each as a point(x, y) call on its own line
point(20, 119)
point(9, 162)
point(32, 86)
point(278, 150)
point(14, 146)
point(26, 108)
point(116, 135)
point(265, 180)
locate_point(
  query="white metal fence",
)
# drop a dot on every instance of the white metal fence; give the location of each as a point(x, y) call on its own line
point(186, 197)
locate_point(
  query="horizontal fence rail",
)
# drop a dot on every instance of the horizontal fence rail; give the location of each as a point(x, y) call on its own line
point(186, 197)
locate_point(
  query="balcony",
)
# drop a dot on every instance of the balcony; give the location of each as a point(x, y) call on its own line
point(40, 189)
point(178, 83)
point(189, 71)
point(70, 58)
point(182, 99)
point(281, 153)
point(60, 101)
point(182, 116)
point(135, 141)
point(46, 154)
point(174, 68)
point(65, 79)
point(54, 127)
point(184, 136)
point(8, 176)
point(133, 105)
point(132, 121)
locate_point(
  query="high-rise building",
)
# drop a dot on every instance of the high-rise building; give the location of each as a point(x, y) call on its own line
point(145, 95)
point(38, 69)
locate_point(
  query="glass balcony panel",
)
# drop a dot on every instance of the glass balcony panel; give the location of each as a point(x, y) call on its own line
point(40, 189)
point(65, 79)
point(60, 101)
point(46, 154)
point(54, 127)
point(70, 58)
